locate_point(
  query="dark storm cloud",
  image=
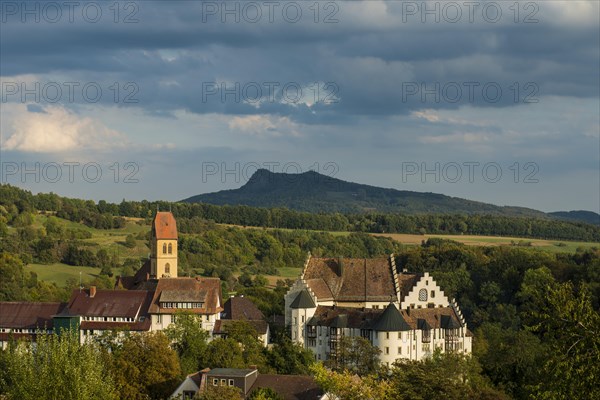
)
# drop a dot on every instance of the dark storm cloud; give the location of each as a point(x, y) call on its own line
point(377, 62)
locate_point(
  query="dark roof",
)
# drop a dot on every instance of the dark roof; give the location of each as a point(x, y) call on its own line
point(201, 290)
point(230, 372)
point(28, 315)
point(391, 320)
point(423, 325)
point(406, 283)
point(303, 300)
point(241, 308)
point(260, 326)
point(350, 279)
point(164, 226)
point(109, 303)
point(352, 317)
point(290, 387)
point(447, 322)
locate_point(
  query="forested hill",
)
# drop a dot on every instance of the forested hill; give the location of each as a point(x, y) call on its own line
point(588, 217)
point(313, 192)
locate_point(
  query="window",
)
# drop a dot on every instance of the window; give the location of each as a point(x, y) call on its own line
point(167, 268)
point(159, 318)
point(231, 382)
point(399, 350)
point(215, 382)
point(164, 248)
point(223, 382)
point(423, 295)
point(387, 335)
point(303, 319)
point(170, 248)
point(387, 350)
point(432, 294)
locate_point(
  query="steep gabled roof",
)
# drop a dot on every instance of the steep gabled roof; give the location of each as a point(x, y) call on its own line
point(241, 308)
point(28, 315)
point(198, 290)
point(303, 300)
point(350, 279)
point(391, 321)
point(109, 303)
point(164, 226)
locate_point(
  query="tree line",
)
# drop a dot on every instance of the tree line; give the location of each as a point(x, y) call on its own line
point(105, 215)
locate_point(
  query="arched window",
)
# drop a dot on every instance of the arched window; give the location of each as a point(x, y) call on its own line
point(423, 295)
point(164, 248)
point(170, 248)
point(167, 268)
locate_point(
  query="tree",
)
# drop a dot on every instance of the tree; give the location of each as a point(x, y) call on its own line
point(220, 393)
point(288, 357)
point(265, 394)
point(130, 241)
point(57, 367)
point(357, 355)
point(224, 353)
point(571, 327)
point(145, 366)
point(347, 386)
point(189, 341)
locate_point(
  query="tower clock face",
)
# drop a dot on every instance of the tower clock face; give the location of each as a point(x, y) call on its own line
point(423, 295)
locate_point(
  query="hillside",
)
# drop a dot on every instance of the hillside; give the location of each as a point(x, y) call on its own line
point(588, 217)
point(313, 192)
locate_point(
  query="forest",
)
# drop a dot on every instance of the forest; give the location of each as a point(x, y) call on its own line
point(106, 215)
point(534, 314)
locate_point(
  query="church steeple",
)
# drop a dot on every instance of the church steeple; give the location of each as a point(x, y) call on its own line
point(163, 258)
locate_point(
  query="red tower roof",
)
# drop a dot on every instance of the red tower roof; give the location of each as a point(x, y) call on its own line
point(164, 226)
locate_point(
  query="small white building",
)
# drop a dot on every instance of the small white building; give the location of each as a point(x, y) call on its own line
point(404, 315)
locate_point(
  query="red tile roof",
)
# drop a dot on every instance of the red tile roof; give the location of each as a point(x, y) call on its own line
point(164, 226)
point(28, 315)
point(109, 303)
point(200, 290)
point(351, 279)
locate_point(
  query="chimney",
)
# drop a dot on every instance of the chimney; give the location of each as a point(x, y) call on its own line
point(341, 266)
point(92, 291)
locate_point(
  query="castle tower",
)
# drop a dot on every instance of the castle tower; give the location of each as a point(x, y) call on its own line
point(163, 257)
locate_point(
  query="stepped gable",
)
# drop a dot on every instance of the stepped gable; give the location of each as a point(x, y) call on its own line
point(164, 226)
point(196, 290)
point(350, 279)
point(406, 283)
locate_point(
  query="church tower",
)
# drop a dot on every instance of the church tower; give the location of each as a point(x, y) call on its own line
point(163, 258)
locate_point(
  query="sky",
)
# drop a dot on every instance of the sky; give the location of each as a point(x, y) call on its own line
point(495, 101)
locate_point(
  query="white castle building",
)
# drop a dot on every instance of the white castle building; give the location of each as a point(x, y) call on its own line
point(404, 315)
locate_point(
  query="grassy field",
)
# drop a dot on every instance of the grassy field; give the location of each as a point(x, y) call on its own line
point(554, 246)
point(59, 273)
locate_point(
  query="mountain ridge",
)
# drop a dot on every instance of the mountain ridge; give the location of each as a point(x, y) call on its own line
point(314, 192)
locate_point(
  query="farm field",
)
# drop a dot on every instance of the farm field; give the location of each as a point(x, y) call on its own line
point(59, 273)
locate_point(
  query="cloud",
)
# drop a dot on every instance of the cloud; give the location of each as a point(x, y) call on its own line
point(55, 129)
point(264, 125)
